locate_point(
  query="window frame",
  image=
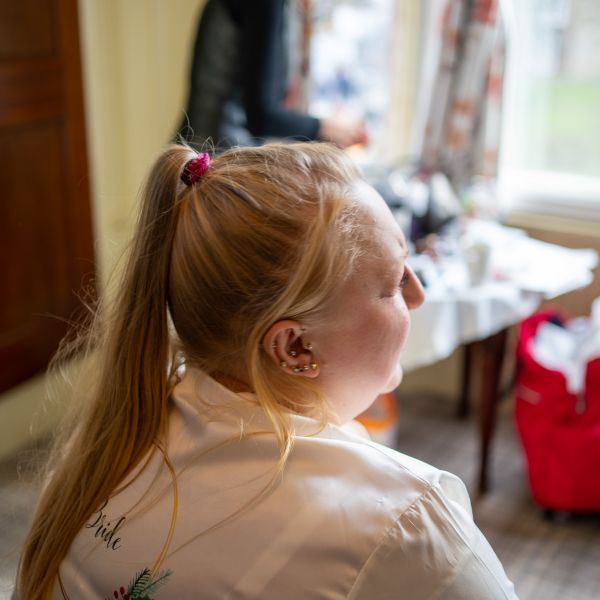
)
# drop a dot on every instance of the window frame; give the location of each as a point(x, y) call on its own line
point(521, 190)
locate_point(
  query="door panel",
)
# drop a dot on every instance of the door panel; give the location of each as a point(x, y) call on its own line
point(46, 251)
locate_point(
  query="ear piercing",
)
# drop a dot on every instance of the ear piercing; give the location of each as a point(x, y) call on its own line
point(312, 366)
point(307, 347)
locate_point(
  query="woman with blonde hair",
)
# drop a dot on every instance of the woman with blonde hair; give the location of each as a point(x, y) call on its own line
point(263, 306)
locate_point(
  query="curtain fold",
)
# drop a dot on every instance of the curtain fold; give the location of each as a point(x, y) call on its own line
point(462, 131)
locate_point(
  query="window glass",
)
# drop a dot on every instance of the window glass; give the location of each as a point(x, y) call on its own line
point(555, 114)
point(349, 62)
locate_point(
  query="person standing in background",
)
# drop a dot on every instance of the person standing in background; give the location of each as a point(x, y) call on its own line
point(240, 84)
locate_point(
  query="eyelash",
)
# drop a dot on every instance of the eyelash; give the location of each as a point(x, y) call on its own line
point(404, 280)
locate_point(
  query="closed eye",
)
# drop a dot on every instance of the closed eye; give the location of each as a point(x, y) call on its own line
point(404, 280)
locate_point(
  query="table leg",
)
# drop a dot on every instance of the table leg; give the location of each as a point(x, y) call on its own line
point(492, 354)
point(463, 408)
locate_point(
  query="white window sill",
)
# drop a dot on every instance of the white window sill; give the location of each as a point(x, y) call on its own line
point(547, 193)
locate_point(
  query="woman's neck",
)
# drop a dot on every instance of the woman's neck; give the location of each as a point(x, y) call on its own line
point(230, 382)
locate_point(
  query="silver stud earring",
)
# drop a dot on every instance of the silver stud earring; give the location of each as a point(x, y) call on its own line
point(283, 364)
point(297, 369)
point(308, 346)
point(293, 353)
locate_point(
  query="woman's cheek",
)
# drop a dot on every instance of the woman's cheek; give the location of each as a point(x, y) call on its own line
point(396, 332)
point(403, 322)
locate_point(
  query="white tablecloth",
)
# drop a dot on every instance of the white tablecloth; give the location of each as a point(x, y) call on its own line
point(523, 272)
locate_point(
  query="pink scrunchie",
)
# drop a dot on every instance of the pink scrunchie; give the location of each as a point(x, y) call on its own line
point(195, 168)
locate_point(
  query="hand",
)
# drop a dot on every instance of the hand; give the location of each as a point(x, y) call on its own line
point(344, 128)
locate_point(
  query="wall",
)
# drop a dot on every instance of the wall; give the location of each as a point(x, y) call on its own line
point(136, 55)
point(135, 61)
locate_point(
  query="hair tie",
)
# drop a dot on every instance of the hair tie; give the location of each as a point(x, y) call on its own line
point(195, 168)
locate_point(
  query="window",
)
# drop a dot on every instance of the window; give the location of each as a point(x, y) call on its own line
point(551, 146)
point(364, 56)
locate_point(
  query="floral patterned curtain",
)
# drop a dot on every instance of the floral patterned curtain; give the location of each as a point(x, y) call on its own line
point(462, 130)
point(300, 30)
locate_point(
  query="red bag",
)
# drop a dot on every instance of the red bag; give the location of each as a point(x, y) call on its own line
point(560, 432)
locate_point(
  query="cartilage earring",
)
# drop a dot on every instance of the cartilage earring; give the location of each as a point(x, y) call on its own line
point(297, 369)
point(283, 364)
point(293, 353)
point(305, 368)
point(308, 346)
point(313, 366)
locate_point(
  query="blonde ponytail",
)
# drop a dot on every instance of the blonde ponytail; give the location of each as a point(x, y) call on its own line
point(127, 409)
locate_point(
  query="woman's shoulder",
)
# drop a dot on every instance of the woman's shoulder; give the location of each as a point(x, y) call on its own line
point(361, 463)
point(409, 524)
point(426, 539)
point(329, 463)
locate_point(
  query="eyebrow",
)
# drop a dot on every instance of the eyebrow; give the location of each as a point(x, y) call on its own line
point(399, 262)
point(403, 248)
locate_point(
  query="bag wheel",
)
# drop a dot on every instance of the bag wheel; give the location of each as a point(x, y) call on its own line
point(558, 517)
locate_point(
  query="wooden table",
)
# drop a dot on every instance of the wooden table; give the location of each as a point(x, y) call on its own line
point(488, 354)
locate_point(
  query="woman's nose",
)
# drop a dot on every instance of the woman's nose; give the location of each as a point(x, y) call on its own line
point(414, 294)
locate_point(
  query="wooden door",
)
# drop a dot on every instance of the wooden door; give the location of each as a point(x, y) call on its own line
point(46, 250)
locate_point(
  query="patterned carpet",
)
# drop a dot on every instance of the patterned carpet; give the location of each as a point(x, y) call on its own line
point(17, 499)
point(546, 560)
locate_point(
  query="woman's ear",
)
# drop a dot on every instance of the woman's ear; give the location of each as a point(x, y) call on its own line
point(285, 345)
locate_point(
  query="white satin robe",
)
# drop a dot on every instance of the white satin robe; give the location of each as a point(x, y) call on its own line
point(348, 518)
